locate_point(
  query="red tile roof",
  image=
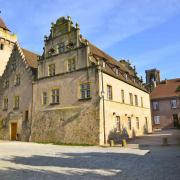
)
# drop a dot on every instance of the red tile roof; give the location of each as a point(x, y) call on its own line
point(3, 25)
point(31, 58)
point(166, 89)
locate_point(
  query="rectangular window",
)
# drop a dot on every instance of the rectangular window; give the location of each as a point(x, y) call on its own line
point(1, 46)
point(16, 102)
point(26, 115)
point(5, 103)
point(173, 103)
point(61, 47)
point(136, 100)
point(51, 70)
point(129, 123)
point(155, 105)
point(55, 96)
point(17, 80)
point(6, 83)
point(122, 96)
point(156, 119)
point(13, 66)
point(118, 125)
point(131, 98)
point(137, 123)
point(71, 64)
point(85, 90)
point(109, 92)
point(44, 98)
point(142, 104)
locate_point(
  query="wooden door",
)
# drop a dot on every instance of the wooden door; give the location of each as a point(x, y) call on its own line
point(13, 131)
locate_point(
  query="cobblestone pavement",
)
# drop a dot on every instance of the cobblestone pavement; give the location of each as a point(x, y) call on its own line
point(31, 161)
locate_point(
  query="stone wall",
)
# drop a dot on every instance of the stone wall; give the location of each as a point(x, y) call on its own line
point(73, 120)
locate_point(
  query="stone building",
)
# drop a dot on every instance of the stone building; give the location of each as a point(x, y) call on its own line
point(82, 95)
point(165, 104)
point(7, 41)
point(16, 94)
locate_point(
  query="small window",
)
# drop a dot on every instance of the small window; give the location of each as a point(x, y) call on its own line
point(26, 115)
point(126, 76)
point(1, 46)
point(156, 119)
point(109, 92)
point(55, 96)
point(142, 104)
point(173, 103)
point(137, 123)
point(85, 90)
point(129, 123)
point(122, 96)
point(118, 125)
point(16, 102)
point(61, 47)
point(44, 98)
point(17, 80)
point(5, 103)
point(136, 100)
point(71, 64)
point(6, 83)
point(51, 69)
point(155, 105)
point(13, 66)
point(131, 98)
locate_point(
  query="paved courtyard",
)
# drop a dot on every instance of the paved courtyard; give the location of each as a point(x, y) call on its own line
point(31, 161)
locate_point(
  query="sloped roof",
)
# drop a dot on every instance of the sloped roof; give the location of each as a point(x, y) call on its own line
point(98, 52)
point(3, 25)
point(31, 58)
point(166, 89)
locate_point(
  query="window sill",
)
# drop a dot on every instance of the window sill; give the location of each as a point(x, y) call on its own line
point(85, 99)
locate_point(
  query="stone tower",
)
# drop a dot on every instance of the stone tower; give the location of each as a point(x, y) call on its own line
point(7, 41)
point(152, 78)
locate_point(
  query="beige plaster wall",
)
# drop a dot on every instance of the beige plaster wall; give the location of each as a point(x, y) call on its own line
point(115, 107)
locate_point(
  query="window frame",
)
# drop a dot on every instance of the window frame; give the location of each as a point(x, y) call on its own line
point(71, 64)
point(51, 70)
point(122, 96)
point(131, 102)
point(109, 92)
point(172, 104)
point(85, 92)
point(16, 102)
point(129, 123)
point(55, 97)
point(157, 120)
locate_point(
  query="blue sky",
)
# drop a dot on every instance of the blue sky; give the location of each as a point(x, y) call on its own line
point(147, 32)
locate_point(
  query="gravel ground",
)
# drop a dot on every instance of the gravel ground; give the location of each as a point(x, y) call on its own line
point(31, 161)
point(20, 161)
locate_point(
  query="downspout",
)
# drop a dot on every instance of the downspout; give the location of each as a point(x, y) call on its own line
point(102, 95)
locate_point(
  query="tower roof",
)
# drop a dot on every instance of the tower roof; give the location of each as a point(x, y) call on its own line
point(3, 25)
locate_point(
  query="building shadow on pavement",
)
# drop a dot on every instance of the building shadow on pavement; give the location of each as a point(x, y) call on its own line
point(91, 165)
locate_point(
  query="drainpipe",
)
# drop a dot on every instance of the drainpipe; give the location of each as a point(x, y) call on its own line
point(102, 95)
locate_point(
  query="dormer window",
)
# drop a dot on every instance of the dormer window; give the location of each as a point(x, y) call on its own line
point(126, 76)
point(1, 46)
point(116, 71)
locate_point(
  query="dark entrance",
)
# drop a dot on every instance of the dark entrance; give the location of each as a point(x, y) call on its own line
point(175, 120)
